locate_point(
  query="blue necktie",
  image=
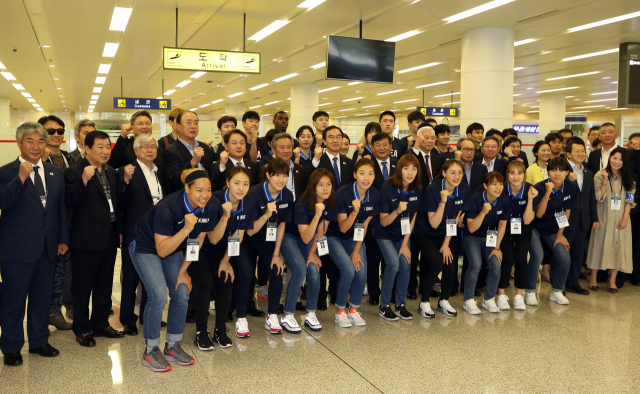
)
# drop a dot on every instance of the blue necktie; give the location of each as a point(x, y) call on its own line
point(335, 169)
point(385, 171)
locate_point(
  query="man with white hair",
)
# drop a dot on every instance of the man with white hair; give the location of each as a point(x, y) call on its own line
point(430, 159)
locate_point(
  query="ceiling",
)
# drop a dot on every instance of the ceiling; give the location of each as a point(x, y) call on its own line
point(76, 32)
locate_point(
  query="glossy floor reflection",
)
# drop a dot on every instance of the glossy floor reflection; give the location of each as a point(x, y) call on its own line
point(590, 346)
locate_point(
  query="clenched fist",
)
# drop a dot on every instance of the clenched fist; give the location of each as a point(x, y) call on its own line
point(26, 169)
point(190, 221)
point(226, 209)
point(88, 173)
point(319, 209)
point(444, 195)
point(486, 208)
point(198, 153)
point(356, 205)
point(533, 193)
point(317, 153)
point(402, 206)
point(128, 173)
point(125, 130)
point(224, 157)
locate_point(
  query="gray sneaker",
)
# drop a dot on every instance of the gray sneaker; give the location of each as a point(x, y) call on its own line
point(177, 354)
point(155, 361)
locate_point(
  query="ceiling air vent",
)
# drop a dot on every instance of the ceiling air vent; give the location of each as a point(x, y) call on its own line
point(533, 18)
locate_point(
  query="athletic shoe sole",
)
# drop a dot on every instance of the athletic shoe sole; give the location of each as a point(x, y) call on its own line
point(382, 315)
point(362, 324)
point(223, 346)
point(146, 364)
point(173, 360)
point(474, 312)
point(426, 315)
point(312, 328)
point(243, 335)
point(291, 330)
point(273, 330)
point(446, 312)
point(204, 349)
point(404, 318)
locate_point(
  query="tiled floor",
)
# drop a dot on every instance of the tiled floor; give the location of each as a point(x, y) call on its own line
point(591, 346)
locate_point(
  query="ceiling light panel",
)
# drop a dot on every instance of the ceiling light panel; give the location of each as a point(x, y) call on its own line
point(477, 10)
point(402, 36)
point(604, 22)
point(273, 27)
point(285, 77)
point(120, 18)
point(110, 49)
point(568, 59)
point(432, 84)
point(418, 67)
point(573, 76)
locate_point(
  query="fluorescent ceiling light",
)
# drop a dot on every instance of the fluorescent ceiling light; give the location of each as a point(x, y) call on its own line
point(51, 65)
point(432, 84)
point(259, 86)
point(97, 90)
point(522, 42)
point(588, 106)
point(94, 97)
point(448, 94)
point(599, 101)
point(320, 105)
point(348, 109)
point(573, 76)
point(2, 67)
point(93, 102)
point(104, 69)
point(557, 90)
point(235, 95)
point(205, 105)
point(545, 52)
point(40, 109)
point(411, 108)
point(101, 80)
point(354, 83)
point(110, 49)
point(271, 102)
point(285, 77)
point(197, 75)
point(8, 76)
point(18, 86)
point(276, 25)
point(310, 4)
point(120, 18)
point(183, 83)
point(217, 101)
point(516, 95)
point(474, 11)
point(92, 106)
point(371, 106)
point(605, 22)
point(576, 112)
point(352, 99)
point(393, 91)
point(255, 106)
point(617, 109)
point(569, 97)
point(168, 92)
point(88, 110)
point(193, 109)
point(403, 101)
point(518, 68)
point(597, 94)
point(418, 67)
point(532, 112)
point(25, 94)
point(32, 100)
point(402, 36)
point(327, 89)
point(317, 66)
point(36, 105)
point(568, 59)
point(366, 113)
point(456, 102)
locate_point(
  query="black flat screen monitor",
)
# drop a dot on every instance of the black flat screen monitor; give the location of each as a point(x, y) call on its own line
point(357, 59)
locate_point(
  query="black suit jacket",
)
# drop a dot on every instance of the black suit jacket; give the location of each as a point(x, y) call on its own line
point(74, 157)
point(177, 158)
point(628, 158)
point(346, 169)
point(90, 215)
point(123, 154)
point(478, 171)
point(588, 210)
point(436, 160)
point(26, 227)
point(379, 180)
point(499, 165)
point(300, 178)
point(219, 179)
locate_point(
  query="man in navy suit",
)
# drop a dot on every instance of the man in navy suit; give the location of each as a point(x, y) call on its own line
point(340, 166)
point(35, 230)
point(490, 148)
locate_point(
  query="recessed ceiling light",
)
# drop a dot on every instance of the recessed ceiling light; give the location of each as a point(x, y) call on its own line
point(598, 94)
point(404, 101)
point(573, 76)
point(92, 106)
point(183, 84)
point(51, 65)
point(120, 18)
point(97, 90)
point(448, 94)
point(25, 94)
point(518, 68)
point(101, 80)
point(110, 49)
point(235, 94)
point(285, 77)
point(321, 105)
point(352, 99)
point(455, 102)
point(366, 113)
point(371, 106)
point(354, 83)
point(259, 86)
point(197, 74)
point(46, 46)
point(328, 89)
point(104, 69)
point(32, 100)
point(55, 79)
point(348, 109)
point(588, 106)
point(516, 95)
point(605, 22)
point(40, 109)
point(545, 52)
point(217, 101)
point(205, 105)
point(391, 92)
point(557, 90)
point(599, 101)
point(402, 36)
point(522, 42)
point(18, 86)
point(477, 10)
point(319, 65)
point(168, 92)
point(432, 84)
point(93, 101)
point(255, 106)
point(617, 109)
point(418, 67)
point(310, 4)
point(36, 105)
point(568, 59)
point(8, 76)
point(273, 27)
point(271, 102)
point(94, 97)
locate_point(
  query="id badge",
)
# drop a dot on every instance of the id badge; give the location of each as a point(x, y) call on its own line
point(561, 218)
point(615, 203)
point(193, 249)
point(43, 199)
point(272, 231)
point(156, 200)
point(358, 232)
point(516, 225)
point(492, 239)
point(630, 197)
point(323, 247)
point(452, 226)
point(405, 226)
point(110, 205)
point(233, 246)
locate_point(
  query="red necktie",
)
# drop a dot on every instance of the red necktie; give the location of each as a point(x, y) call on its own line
point(426, 162)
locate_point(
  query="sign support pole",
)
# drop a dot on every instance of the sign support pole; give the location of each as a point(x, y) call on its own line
point(121, 90)
point(244, 31)
point(176, 27)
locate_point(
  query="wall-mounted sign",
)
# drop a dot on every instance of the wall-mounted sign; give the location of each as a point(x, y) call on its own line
point(141, 103)
point(629, 75)
point(432, 111)
point(206, 60)
point(527, 129)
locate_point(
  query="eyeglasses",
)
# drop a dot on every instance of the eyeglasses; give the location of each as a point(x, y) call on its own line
point(152, 147)
point(334, 137)
point(53, 131)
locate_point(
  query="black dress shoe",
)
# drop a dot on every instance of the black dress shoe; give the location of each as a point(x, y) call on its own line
point(108, 332)
point(583, 276)
point(86, 340)
point(412, 295)
point(322, 306)
point(130, 329)
point(635, 282)
point(477, 293)
point(300, 306)
point(255, 312)
point(191, 316)
point(13, 359)
point(163, 324)
point(46, 350)
point(578, 290)
point(374, 300)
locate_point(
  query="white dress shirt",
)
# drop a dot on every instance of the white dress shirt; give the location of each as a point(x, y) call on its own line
point(388, 161)
point(330, 156)
point(489, 164)
point(152, 180)
point(234, 162)
point(33, 173)
point(604, 157)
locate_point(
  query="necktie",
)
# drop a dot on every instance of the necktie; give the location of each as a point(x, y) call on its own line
point(336, 171)
point(385, 171)
point(426, 162)
point(37, 180)
point(239, 164)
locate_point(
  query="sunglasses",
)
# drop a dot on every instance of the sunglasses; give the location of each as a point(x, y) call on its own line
point(53, 131)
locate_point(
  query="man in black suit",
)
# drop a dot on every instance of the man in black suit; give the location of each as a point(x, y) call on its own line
point(234, 154)
point(283, 146)
point(599, 158)
point(340, 166)
point(583, 219)
point(225, 125)
point(490, 148)
point(140, 186)
point(430, 159)
point(35, 230)
point(80, 131)
point(96, 223)
point(187, 152)
point(122, 153)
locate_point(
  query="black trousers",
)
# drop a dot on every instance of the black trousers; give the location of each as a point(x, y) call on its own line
point(130, 280)
point(250, 251)
point(374, 257)
point(577, 238)
point(203, 273)
point(93, 278)
point(332, 273)
point(515, 248)
point(413, 274)
point(635, 236)
point(431, 263)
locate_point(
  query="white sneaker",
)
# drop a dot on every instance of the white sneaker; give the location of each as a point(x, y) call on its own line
point(490, 305)
point(290, 325)
point(559, 298)
point(366, 291)
point(263, 293)
point(342, 320)
point(503, 303)
point(311, 321)
point(518, 303)
point(446, 308)
point(530, 299)
point(471, 307)
point(425, 310)
point(355, 318)
point(272, 324)
point(242, 328)
point(212, 305)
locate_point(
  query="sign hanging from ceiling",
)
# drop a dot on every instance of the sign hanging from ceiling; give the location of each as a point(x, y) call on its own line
point(206, 60)
point(629, 75)
point(432, 111)
point(141, 103)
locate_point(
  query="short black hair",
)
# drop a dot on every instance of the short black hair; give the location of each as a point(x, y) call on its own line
point(607, 124)
point(634, 135)
point(344, 135)
point(490, 138)
point(226, 119)
point(431, 120)
point(318, 114)
point(596, 142)
point(474, 126)
point(537, 147)
point(415, 115)
point(509, 131)
point(379, 137)
point(269, 136)
point(372, 127)
point(303, 128)
point(324, 132)
point(571, 141)
point(553, 137)
point(275, 116)
point(594, 128)
point(52, 118)
point(510, 141)
point(558, 163)
point(227, 136)
point(181, 114)
point(142, 112)
point(95, 135)
point(493, 132)
point(441, 129)
point(389, 113)
point(566, 131)
point(250, 115)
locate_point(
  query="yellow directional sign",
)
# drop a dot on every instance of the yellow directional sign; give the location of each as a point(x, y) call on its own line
point(162, 104)
point(122, 103)
point(206, 60)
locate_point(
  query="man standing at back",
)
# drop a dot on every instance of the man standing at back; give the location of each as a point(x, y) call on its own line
point(123, 153)
point(169, 139)
point(340, 166)
point(52, 153)
point(475, 132)
point(387, 122)
point(320, 122)
point(414, 120)
point(83, 127)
